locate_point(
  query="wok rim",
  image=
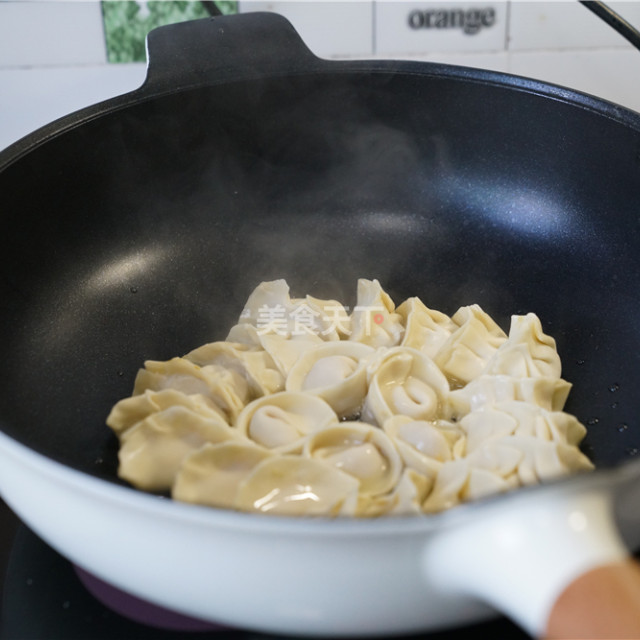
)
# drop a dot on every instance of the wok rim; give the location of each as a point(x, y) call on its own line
point(149, 91)
point(128, 497)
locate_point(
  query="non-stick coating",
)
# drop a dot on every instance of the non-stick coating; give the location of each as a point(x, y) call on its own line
point(138, 235)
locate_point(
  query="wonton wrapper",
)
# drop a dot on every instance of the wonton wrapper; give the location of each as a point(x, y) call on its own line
point(499, 457)
point(425, 329)
point(404, 381)
point(361, 450)
point(152, 451)
point(526, 459)
point(527, 353)
point(292, 485)
point(546, 460)
point(244, 333)
point(548, 393)
point(226, 388)
point(254, 365)
point(520, 418)
point(373, 321)
point(281, 420)
point(458, 482)
point(336, 372)
point(212, 474)
point(405, 499)
point(467, 351)
point(286, 351)
point(129, 411)
point(425, 446)
point(331, 320)
point(272, 311)
point(270, 296)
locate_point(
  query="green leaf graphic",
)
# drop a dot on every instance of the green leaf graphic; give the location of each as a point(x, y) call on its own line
point(126, 23)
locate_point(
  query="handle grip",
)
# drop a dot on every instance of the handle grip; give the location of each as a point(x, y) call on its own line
point(519, 556)
point(223, 48)
point(603, 603)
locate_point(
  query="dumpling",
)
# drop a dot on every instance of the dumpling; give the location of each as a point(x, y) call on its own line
point(333, 321)
point(409, 493)
point(128, 411)
point(546, 425)
point(152, 451)
point(244, 333)
point(226, 388)
point(281, 420)
point(548, 393)
point(293, 485)
point(458, 482)
point(404, 381)
point(373, 321)
point(424, 446)
point(520, 418)
point(425, 329)
point(177, 373)
point(482, 483)
point(255, 365)
point(546, 459)
point(212, 474)
point(325, 319)
point(485, 424)
point(267, 308)
point(527, 353)
point(405, 499)
point(467, 351)
point(499, 457)
point(286, 351)
point(272, 311)
point(448, 486)
point(336, 372)
point(361, 450)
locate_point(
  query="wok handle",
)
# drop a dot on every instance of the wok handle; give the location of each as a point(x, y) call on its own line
point(223, 48)
point(602, 603)
point(520, 554)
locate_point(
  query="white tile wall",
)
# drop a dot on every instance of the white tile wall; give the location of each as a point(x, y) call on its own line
point(67, 32)
point(329, 29)
point(424, 27)
point(565, 25)
point(53, 58)
point(31, 98)
point(51, 33)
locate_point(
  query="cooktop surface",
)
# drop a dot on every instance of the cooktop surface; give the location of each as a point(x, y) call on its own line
point(44, 597)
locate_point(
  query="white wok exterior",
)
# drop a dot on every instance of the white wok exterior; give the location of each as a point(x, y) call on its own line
point(263, 573)
point(317, 576)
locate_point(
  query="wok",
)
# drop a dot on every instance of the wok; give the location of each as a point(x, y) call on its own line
point(136, 228)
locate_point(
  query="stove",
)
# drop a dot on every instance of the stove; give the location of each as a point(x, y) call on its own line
point(44, 597)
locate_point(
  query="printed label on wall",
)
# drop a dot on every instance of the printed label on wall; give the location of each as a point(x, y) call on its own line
point(469, 21)
point(126, 23)
point(411, 28)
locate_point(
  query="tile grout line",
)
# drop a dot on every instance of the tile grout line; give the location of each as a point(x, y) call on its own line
point(507, 30)
point(374, 16)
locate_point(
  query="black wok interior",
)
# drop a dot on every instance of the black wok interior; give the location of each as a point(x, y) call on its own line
point(139, 234)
